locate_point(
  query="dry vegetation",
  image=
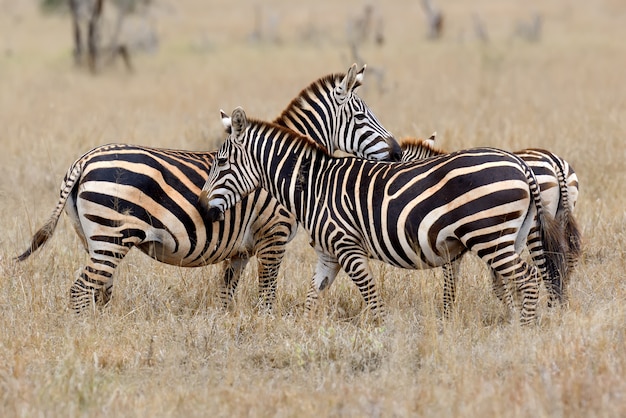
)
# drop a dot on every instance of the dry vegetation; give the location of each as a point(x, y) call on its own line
point(163, 347)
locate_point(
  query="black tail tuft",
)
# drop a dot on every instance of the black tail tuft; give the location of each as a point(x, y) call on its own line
point(555, 250)
point(39, 239)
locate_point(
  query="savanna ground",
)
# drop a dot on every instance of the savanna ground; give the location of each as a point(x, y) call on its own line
point(163, 347)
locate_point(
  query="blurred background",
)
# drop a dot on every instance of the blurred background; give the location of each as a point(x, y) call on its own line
point(512, 74)
point(507, 73)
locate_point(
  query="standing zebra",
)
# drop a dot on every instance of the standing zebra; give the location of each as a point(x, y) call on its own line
point(411, 215)
point(120, 196)
point(559, 192)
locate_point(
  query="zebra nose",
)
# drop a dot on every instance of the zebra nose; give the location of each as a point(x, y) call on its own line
point(396, 151)
point(215, 214)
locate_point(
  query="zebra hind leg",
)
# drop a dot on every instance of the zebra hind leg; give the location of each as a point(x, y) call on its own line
point(450, 274)
point(526, 282)
point(503, 291)
point(528, 286)
point(93, 287)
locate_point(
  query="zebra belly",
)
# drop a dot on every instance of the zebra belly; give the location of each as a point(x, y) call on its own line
point(419, 240)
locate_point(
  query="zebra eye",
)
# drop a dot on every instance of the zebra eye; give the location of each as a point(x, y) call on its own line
point(221, 161)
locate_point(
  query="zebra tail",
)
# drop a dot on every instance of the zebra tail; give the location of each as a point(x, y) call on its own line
point(45, 232)
point(566, 219)
point(552, 238)
point(574, 237)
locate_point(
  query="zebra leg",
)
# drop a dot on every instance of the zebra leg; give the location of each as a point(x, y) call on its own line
point(106, 250)
point(269, 260)
point(357, 267)
point(325, 273)
point(273, 231)
point(231, 273)
point(552, 279)
point(503, 291)
point(513, 269)
point(95, 284)
point(450, 274)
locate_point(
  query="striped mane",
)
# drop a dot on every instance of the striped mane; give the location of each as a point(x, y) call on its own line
point(412, 142)
point(329, 82)
point(271, 126)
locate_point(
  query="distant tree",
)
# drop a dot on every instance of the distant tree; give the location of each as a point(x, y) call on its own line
point(87, 18)
point(434, 18)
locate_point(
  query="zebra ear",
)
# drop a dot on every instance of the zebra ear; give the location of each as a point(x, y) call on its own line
point(226, 122)
point(239, 122)
point(347, 84)
point(431, 140)
point(359, 77)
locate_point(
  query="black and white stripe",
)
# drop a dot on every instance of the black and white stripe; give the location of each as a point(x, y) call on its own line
point(120, 196)
point(559, 193)
point(411, 215)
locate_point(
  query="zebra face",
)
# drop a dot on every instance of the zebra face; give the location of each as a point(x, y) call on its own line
point(357, 129)
point(228, 181)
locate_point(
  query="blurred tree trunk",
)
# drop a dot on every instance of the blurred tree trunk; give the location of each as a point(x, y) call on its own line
point(93, 36)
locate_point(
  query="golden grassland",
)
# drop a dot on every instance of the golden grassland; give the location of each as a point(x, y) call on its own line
point(163, 347)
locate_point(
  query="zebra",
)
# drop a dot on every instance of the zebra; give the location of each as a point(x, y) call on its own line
point(411, 215)
point(120, 196)
point(559, 193)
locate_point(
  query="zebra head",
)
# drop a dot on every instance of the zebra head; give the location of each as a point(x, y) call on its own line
point(227, 182)
point(418, 149)
point(330, 112)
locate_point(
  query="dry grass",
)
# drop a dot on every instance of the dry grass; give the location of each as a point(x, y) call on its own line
point(164, 348)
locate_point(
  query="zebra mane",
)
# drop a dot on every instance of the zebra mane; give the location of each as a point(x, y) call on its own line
point(329, 81)
point(295, 136)
point(412, 142)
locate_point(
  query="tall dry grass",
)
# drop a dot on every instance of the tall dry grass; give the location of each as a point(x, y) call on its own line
point(163, 347)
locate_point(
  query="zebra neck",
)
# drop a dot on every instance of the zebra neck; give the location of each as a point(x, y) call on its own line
point(293, 179)
point(300, 120)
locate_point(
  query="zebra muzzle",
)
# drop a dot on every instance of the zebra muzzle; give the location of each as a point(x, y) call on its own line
point(215, 214)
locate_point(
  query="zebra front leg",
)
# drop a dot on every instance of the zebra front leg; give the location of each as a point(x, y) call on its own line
point(269, 260)
point(357, 267)
point(325, 273)
point(450, 274)
point(231, 273)
point(272, 233)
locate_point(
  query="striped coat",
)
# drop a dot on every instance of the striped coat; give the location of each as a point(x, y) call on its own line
point(411, 215)
point(559, 192)
point(121, 196)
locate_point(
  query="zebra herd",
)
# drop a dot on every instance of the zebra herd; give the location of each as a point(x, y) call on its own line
point(413, 207)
